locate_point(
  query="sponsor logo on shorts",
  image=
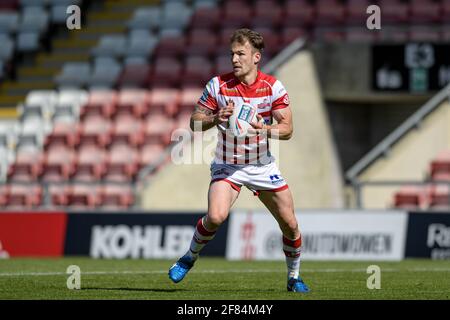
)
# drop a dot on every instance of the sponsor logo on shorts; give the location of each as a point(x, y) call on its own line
point(276, 179)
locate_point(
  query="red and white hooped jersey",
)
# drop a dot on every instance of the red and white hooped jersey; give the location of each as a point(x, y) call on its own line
point(266, 93)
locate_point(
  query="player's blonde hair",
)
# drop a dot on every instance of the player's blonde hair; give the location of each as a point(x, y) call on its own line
point(254, 38)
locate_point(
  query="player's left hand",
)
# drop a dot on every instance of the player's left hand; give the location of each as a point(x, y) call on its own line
point(257, 126)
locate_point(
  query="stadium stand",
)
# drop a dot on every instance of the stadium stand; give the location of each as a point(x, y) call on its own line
point(99, 104)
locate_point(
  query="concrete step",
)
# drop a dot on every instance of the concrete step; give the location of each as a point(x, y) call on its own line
point(6, 111)
point(36, 71)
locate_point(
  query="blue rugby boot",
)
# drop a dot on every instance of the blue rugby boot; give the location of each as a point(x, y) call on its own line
point(297, 285)
point(180, 268)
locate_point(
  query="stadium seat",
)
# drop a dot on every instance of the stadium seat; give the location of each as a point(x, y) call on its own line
point(189, 97)
point(64, 133)
point(133, 101)
point(235, 14)
point(329, 13)
point(74, 75)
point(441, 164)
point(128, 129)
point(170, 46)
point(298, 13)
point(205, 18)
point(9, 22)
point(145, 18)
point(409, 197)
point(167, 72)
point(27, 165)
point(440, 197)
point(423, 33)
point(141, 43)
point(9, 5)
point(90, 163)
point(271, 40)
point(164, 101)
point(122, 163)
point(158, 129)
point(424, 11)
point(399, 34)
point(111, 45)
point(59, 163)
point(135, 76)
point(150, 154)
point(82, 195)
point(59, 194)
point(116, 196)
point(197, 71)
point(95, 129)
point(105, 74)
point(101, 102)
point(201, 42)
point(356, 12)
point(223, 64)
point(24, 195)
point(360, 35)
point(394, 11)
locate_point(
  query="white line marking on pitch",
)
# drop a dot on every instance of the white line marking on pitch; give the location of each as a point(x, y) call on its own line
point(128, 272)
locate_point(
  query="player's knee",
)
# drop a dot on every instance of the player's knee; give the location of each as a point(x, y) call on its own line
point(215, 219)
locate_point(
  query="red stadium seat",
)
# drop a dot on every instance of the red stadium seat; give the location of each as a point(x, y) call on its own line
point(90, 163)
point(409, 197)
point(164, 101)
point(9, 5)
point(359, 35)
point(206, 18)
point(116, 196)
point(394, 11)
point(100, 102)
point(329, 13)
point(84, 195)
point(135, 76)
point(167, 72)
point(59, 163)
point(197, 71)
point(440, 197)
point(356, 12)
point(298, 13)
point(128, 129)
point(170, 46)
point(158, 129)
point(201, 42)
point(133, 101)
point(188, 98)
point(271, 40)
point(63, 133)
point(223, 64)
point(445, 11)
point(235, 14)
point(424, 11)
point(59, 194)
point(122, 163)
point(150, 154)
point(441, 164)
point(24, 195)
point(267, 14)
point(27, 166)
point(95, 130)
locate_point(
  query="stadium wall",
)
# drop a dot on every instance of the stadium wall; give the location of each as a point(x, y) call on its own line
point(247, 235)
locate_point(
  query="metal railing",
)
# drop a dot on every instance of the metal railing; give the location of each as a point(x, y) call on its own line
point(359, 185)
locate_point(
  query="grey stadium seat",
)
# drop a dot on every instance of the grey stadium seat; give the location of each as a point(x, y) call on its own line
point(28, 42)
point(112, 45)
point(145, 18)
point(74, 75)
point(9, 22)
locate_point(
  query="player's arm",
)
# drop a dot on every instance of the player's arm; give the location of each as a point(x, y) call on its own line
point(284, 127)
point(203, 118)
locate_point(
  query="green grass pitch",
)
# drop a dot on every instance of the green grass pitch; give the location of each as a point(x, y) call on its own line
point(219, 279)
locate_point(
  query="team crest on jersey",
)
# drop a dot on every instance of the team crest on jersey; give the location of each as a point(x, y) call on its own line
point(286, 99)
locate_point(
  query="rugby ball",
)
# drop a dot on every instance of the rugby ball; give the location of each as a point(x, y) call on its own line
point(240, 121)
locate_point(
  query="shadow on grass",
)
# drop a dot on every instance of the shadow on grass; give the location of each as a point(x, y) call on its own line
point(136, 289)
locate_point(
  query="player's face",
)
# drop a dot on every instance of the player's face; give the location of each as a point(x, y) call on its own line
point(244, 58)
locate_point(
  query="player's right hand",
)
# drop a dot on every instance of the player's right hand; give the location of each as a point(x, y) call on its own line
point(226, 112)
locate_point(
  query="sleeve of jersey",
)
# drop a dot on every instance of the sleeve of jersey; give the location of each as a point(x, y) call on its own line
point(208, 99)
point(281, 97)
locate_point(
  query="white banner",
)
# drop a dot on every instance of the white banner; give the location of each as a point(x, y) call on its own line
point(326, 235)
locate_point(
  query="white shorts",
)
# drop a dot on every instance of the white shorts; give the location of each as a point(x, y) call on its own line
point(255, 177)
